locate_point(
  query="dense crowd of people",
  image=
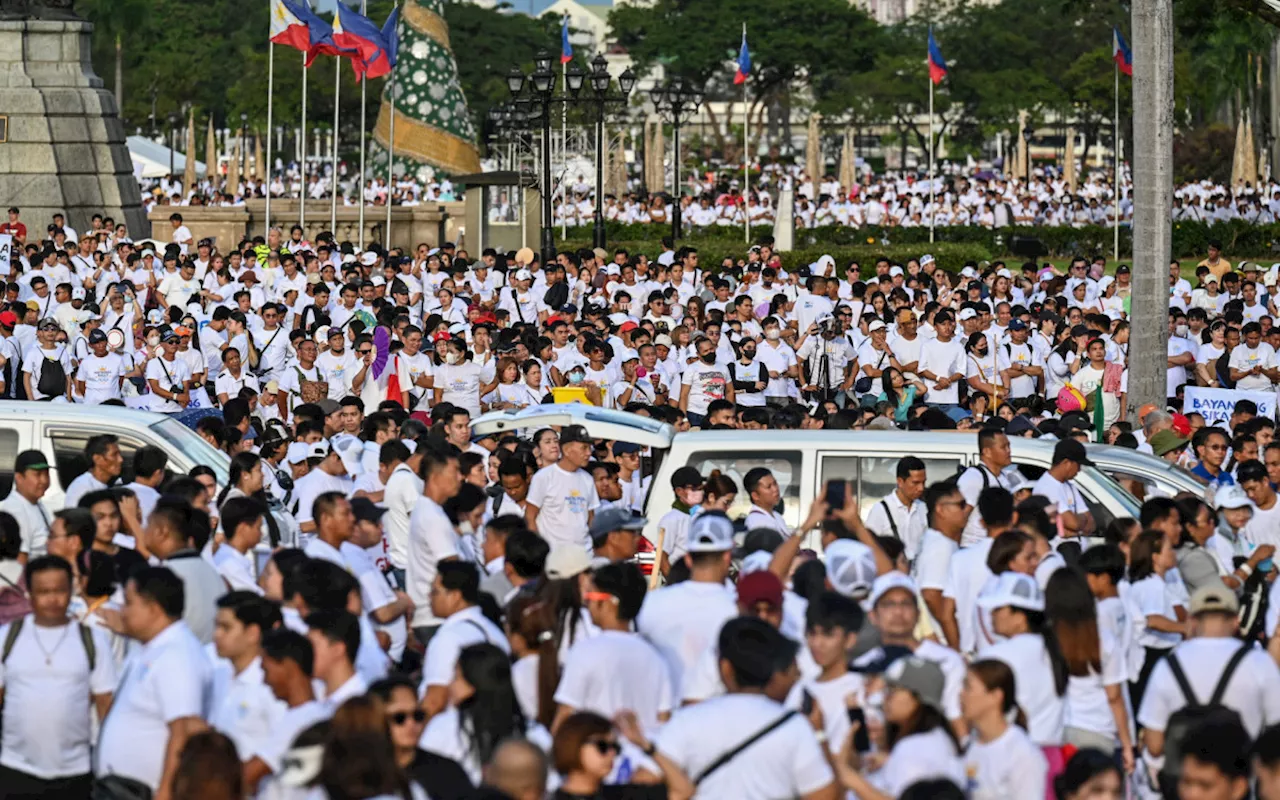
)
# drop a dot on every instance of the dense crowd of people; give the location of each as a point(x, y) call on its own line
point(381, 601)
point(961, 196)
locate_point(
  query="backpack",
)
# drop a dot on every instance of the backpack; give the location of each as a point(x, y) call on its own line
point(14, 603)
point(1182, 721)
point(14, 389)
point(86, 640)
point(556, 296)
point(53, 377)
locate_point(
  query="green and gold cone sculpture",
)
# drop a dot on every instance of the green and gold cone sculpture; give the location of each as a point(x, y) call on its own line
point(434, 130)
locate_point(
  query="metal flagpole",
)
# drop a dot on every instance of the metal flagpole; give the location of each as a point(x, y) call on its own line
point(1115, 145)
point(931, 203)
point(271, 87)
point(333, 157)
point(302, 195)
point(360, 184)
point(391, 154)
point(564, 157)
point(746, 155)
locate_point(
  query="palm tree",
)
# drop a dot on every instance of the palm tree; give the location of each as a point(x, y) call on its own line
point(114, 18)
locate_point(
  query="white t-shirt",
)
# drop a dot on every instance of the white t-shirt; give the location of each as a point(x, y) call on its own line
point(462, 629)
point(33, 522)
point(1251, 691)
point(444, 736)
point(831, 696)
point(565, 501)
point(706, 383)
point(614, 671)
point(460, 385)
point(966, 576)
point(1243, 358)
point(243, 707)
point(1086, 706)
point(431, 538)
point(683, 620)
point(312, 485)
point(1151, 595)
point(178, 292)
point(919, 757)
point(166, 679)
point(338, 370)
point(167, 374)
point(787, 762)
point(47, 713)
point(101, 377)
point(1038, 698)
point(1009, 767)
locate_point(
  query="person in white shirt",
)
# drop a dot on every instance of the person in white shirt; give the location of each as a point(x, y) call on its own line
point(1253, 363)
point(161, 699)
point(562, 496)
point(399, 496)
point(901, 514)
point(169, 377)
point(455, 598)
point(24, 503)
point(327, 474)
point(765, 493)
point(1215, 660)
point(53, 669)
point(1057, 484)
point(335, 638)
point(46, 352)
point(616, 670)
point(287, 664)
point(241, 519)
point(784, 756)
point(682, 619)
point(1017, 614)
point(994, 458)
point(105, 465)
point(947, 515)
point(243, 706)
point(181, 234)
point(1001, 760)
point(100, 374)
point(432, 538)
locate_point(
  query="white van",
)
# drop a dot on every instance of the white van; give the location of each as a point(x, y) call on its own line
point(60, 431)
point(803, 461)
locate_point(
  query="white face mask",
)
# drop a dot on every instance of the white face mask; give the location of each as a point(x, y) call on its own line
point(465, 528)
point(451, 358)
point(1181, 330)
point(696, 497)
point(772, 334)
point(153, 340)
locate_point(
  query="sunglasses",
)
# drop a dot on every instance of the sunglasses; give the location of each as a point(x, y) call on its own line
point(600, 597)
point(401, 717)
point(605, 746)
point(365, 352)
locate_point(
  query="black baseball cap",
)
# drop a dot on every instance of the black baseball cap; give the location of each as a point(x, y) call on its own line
point(1071, 450)
point(575, 433)
point(686, 477)
point(30, 459)
point(365, 510)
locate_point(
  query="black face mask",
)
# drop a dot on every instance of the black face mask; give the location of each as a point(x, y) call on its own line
point(748, 354)
point(982, 353)
point(709, 358)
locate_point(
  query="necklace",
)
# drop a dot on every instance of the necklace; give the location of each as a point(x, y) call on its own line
point(48, 654)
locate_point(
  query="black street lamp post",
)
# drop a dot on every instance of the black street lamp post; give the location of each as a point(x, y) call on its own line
point(600, 86)
point(535, 106)
point(677, 101)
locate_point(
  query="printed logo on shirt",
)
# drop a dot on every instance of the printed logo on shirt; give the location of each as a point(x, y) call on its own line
point(576, 502)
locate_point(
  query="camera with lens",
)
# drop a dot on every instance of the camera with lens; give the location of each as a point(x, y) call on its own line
point(827, 326)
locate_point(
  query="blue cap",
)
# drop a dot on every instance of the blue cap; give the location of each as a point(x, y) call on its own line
point(622, 448)
point(1017, 325)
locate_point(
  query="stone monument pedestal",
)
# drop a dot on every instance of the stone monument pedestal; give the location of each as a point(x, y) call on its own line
point(66, 145)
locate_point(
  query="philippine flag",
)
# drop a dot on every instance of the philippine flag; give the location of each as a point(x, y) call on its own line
point(359, 35)
point(288, 28)
point(744, 62)
point(566, 49)
point(1121, 53)
point(937, 64)
point(383, 62)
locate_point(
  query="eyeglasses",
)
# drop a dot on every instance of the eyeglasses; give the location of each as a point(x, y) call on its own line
point(401, 717)
point(366, 352)
point(605, 746)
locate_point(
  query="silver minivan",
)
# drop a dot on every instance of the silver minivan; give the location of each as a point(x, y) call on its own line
point(60, 431)
point(803, 461)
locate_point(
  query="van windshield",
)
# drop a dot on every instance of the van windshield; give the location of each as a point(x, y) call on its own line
point(189, 442)
point(1109, 485)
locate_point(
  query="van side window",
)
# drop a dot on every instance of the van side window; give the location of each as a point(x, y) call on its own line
point(874, 477)
point(785, 465)
point(8, 454)
point(69, 460)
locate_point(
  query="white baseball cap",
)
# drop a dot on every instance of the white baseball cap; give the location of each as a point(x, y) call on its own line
point(926, 259)
point(77, 293)
point(1231, 497)
point(566, 561)
point(895, 271)
point(318, 449)
point(851, 567)
point(1016, 590)
point(965, 314)
point(876, 325)
point(369, 258)
point(298, 452)
point(524, 275)
point(710, 532)
point(888, 582)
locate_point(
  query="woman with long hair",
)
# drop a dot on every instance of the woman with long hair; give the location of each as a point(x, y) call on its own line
point(719, 492)
point(1154, 606)
point(442, 778)
point(245, 478)
point(1031, 650)
point(359, 762)
point(483, 711)
point(1095, 712)
point(510, 391)
point(531, 631)
point(564, 597)
point(900, 392)
point(916, 735)
point(1062, 362)
point(1002, 762)
point(695, 309)
point(1011, 551)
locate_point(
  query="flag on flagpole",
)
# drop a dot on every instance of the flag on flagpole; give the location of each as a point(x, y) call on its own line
point(566, 49)
point(744, 61)
point(384, 59)
point(295, 25)
point(937, 64)
point(1120, 52)
point(361, 38)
